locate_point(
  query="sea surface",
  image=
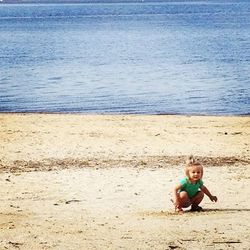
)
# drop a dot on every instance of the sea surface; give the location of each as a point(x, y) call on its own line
point(143, 58)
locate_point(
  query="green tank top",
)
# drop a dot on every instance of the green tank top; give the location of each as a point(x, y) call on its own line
point(191, 188)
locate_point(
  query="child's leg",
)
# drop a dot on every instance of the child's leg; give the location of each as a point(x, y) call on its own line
point(184, 199)
point(196, 200)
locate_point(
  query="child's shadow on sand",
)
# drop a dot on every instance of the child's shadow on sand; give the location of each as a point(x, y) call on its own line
point(226, 210)
point(204, 211)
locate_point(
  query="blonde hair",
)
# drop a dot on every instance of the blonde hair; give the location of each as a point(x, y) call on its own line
point(190, 163)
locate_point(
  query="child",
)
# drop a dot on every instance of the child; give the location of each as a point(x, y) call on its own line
point(191, 190)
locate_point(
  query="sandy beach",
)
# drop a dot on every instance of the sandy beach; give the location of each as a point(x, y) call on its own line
point(104, 181)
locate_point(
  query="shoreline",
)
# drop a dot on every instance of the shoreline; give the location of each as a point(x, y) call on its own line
point(126, 114)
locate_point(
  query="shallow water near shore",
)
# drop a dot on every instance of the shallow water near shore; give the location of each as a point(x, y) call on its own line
point(151, 58)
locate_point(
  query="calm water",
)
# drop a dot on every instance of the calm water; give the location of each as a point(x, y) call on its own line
point(187, 58)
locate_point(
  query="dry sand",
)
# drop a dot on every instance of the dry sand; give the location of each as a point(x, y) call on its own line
point(104, 182)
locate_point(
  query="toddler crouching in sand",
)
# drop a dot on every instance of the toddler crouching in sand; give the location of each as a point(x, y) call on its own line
point(190, 191)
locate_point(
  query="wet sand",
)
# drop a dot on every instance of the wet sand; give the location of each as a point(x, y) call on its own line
point(104, 182)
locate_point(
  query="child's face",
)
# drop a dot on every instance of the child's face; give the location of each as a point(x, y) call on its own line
point(195, 173)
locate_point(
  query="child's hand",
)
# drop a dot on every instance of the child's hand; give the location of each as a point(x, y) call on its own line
point(178, 209)
point(177, 206)
point(213, 198)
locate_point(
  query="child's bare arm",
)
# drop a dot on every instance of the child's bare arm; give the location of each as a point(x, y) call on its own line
point(206, 192)
point(176, 196)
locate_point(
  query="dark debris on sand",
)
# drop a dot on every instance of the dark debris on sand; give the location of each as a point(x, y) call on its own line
point(50, 164)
